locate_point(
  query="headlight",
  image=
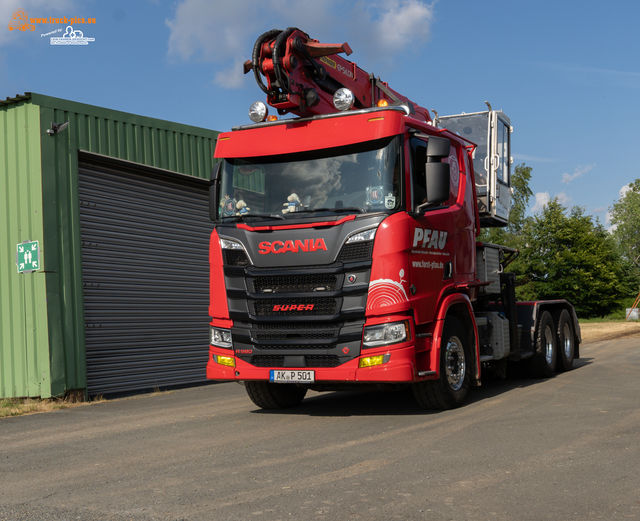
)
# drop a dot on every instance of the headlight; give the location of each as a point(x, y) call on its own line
point(367, 235)
point(385, 334)
point(226, 244)
point(220, 337)
point(258, 112)
point(343, 99)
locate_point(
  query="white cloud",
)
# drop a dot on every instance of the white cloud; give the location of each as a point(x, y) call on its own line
point(578, 172)
point(399, 24)
point(542, 198)
point(624, 190)
point(607, 222)
point(224, 33)
point(563, 199)
point(231, 78)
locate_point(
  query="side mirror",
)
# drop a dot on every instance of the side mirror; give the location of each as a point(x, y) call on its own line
point(437, 148)
point(438, 182)
point(214, 192)
point(438, 175)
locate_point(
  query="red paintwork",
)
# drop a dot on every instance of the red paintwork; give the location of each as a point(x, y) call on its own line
point(243, 226)
point(218, 307)
point(311, 135)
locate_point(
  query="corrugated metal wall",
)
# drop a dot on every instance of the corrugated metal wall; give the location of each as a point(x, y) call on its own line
point(146, 271)
point(53, 173)
point(24, 349)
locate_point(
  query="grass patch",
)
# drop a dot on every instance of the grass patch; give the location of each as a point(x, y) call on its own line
point(21, 406)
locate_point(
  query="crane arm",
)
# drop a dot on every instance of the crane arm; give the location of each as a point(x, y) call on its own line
point(303, 74)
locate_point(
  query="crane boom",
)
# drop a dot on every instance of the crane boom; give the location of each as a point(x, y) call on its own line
point(302, 75)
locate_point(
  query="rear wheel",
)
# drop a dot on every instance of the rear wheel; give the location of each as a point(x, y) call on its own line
point(274, 396)
point(450, 390)
point(543, 363)
point(565, 341)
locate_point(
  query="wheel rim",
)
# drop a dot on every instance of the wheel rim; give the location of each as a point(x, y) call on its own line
point(548, 344)
point(455, 363)
point(566, 333)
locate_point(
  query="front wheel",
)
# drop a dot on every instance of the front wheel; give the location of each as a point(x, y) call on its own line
point(451, 388)
point(543, 363)
point(274, 396)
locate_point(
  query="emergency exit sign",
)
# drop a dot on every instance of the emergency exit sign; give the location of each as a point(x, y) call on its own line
point(28, 256)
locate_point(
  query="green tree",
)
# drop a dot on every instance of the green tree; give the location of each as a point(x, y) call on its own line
point(509, 235)
point(625, 217)
point(567, 255)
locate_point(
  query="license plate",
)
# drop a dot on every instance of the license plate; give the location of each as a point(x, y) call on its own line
point(289, 376)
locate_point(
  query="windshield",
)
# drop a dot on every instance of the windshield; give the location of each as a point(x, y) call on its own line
point(354, 179)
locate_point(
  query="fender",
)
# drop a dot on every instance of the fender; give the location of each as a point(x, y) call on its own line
point(441, 314)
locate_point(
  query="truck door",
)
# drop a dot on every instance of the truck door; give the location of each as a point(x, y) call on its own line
point(432, 253)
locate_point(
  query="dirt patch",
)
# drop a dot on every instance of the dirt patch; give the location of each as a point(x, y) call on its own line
point(598, 331)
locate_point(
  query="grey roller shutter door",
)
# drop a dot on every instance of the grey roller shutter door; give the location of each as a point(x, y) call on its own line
point(145, 275)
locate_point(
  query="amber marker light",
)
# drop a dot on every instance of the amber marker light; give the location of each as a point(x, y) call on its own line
point(383, 103)
point(229, 361)
point(272, 118)
point(371, 361)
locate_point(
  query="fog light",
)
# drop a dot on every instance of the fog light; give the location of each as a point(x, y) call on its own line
point(343, 99)
point(258, 112)
point(225, 360)
point(370, 361)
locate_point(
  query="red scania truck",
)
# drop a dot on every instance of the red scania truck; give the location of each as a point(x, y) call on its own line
point(344, 252)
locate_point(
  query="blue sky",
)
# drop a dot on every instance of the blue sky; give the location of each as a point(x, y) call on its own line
point(567, 73)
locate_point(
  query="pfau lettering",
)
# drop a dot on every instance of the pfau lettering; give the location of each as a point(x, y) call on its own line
point(430, 238)
point(292, 246)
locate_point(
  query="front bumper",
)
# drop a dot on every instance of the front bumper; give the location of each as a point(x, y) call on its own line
point(401, 367)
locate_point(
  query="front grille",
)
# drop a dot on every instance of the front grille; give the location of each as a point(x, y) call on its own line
point(322, 360)
point(296, 347)
point(294, 307)
point(288, 335)
point(298, 325)
point(267, 361)
point(234, 258)
point(294, 283)
point(356, 252)
point(310, 361)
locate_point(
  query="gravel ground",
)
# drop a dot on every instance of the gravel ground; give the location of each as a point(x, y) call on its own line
point(599, 331)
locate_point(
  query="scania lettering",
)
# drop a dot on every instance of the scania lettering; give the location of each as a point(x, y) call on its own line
point(344, 252)
point(292, 246)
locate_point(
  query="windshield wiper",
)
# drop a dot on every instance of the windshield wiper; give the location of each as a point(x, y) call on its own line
point(263, 215)
point(344, 209)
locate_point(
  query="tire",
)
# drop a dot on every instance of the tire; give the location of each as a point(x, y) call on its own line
point(274, 396)
point(543, 363)
point(450, 390)
point(565, 341)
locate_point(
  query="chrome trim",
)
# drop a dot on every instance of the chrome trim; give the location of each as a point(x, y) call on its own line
point(396, 108)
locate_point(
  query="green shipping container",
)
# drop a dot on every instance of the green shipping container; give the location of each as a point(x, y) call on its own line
point(43, 328)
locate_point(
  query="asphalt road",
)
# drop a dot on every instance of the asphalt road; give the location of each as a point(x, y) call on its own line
point(564, 448)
